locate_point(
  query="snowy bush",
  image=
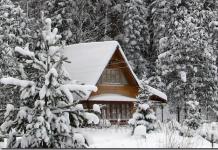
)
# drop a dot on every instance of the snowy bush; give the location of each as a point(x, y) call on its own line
point(206, 130)
point(193, 120)
point(140, 131)
point(173, 125)
point(96, 108)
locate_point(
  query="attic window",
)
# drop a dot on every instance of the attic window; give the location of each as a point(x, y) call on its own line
point(113, 76)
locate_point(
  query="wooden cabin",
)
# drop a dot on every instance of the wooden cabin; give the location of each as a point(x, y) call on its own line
point(104, 64)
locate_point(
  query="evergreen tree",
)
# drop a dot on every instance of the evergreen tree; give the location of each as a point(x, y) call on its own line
point(14, 31)
point(186, 58)
point(193, 120)
point(136, 35)
point(144, 114)
point(75, 19)
point(48, 99)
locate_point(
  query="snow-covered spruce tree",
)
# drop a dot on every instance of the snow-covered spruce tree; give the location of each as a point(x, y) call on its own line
point(186, 57)
point(144, 114)
point(48, 99)
point(13, 32)
point(136, 35)
point(14, 24)
point(193, 120)
point(76, 20)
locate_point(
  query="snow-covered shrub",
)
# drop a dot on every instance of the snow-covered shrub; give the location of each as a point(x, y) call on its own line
point(172, 138)
point(173, 125)
point(96, 108)
point(48, 103)
point(144, 114)
point(91, 118)
point(187, 131)
point(207, 129)
point(193, 120)
point(140, 131)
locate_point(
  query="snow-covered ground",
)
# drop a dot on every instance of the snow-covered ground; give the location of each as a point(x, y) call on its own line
point(119, 137)
point(114, 137)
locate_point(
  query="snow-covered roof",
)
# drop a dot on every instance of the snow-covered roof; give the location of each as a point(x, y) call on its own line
point(157, 92)
point(111, 97)
point(88, 60)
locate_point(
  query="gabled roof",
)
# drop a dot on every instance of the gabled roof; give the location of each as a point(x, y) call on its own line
point(88, 60)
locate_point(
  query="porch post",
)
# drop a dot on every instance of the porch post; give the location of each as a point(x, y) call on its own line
point(162, 112)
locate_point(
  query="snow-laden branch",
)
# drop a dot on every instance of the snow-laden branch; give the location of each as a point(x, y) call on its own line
point(16, 82)
point(24, 52)
point(39, 65)
point(67, 88)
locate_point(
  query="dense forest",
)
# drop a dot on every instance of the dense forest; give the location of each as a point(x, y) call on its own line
point(164, 40)
point(172, 45)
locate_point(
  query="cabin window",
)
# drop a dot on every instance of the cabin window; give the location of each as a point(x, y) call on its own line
point(113, 76)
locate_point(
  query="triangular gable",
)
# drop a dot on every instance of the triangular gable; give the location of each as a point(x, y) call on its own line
point(88, 60)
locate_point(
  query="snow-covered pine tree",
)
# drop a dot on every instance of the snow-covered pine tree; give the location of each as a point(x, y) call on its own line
point(14, 24)
point(76, 20)
point(48, 99)
point(13, 31)
point(136, 35)
point(144, 114)
point(86, 20)
point(186, 57)
point(193, 120)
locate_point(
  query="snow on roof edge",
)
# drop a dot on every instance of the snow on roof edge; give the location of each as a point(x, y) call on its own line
point(127, 62)
point(157, 92)
point(112, 97)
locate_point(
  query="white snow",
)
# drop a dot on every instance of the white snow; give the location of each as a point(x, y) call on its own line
point(17, 82)
point(48, 35)
point(151, 116)
point(120, 137)
point(39, 103)
point(164, 54)
point(143, 106)
point(163, 42)
point(213, 23)
point(96, 108)
point(51, 72)
point(193, 104)
point(207, 129)
point(111, 97)
point(24, 52)
point(9, 108)
point(157, 92)
point(183, 76)
point(140, 130)
point(88, 60)
point(92, 118)
point(79, 107)
point(79, 139)
point(67, 88)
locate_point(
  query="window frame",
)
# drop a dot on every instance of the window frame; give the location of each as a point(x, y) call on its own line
point(113, 76)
